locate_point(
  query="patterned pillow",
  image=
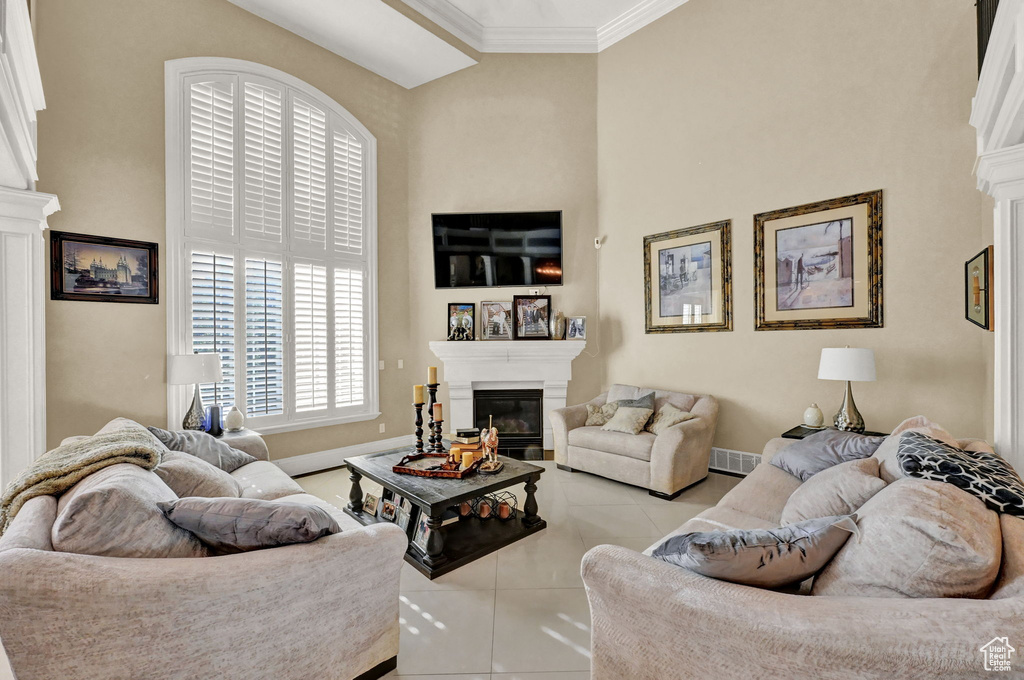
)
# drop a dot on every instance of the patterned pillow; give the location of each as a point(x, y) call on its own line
point(667, 416)
point(983, 475)
point(628, 419)
point(599, 415)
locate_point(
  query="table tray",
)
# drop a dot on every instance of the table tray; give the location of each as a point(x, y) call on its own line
point(407, 466)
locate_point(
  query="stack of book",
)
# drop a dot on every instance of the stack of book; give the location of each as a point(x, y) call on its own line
point(465, 437)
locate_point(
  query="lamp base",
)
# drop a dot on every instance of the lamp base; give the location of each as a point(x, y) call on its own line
point(193, 420)
point(848, 418)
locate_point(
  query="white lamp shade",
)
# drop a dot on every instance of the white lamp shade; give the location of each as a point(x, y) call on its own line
point(847, 363)
point(193, 369)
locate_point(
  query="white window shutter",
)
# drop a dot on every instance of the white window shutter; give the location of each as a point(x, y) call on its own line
point(263, 163)
point(213, 318)
point(210, 148)
point(309, 176)
point(310, 336)
point(347, 194)
point(349, 337)
point(264, 337)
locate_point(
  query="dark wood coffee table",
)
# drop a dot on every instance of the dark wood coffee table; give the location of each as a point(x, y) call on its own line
point(458, 543)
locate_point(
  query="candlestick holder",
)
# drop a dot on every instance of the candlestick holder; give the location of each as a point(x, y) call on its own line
point(431, 400)
point(419, 427)
point(438, 446)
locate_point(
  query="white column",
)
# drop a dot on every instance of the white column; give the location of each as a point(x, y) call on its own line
point(23, 286)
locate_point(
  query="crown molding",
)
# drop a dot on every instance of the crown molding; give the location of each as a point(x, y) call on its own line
point(543, 39)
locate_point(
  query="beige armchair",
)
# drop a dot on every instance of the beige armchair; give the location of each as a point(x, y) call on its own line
point(665, 465)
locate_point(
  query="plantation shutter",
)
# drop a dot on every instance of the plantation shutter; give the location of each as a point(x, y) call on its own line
point(349, 338)
point(211, 150)
point(348, 194)
point(310, 333)
point(263, 163)
point(213, 318)
point(309, 176)
point(264, 337)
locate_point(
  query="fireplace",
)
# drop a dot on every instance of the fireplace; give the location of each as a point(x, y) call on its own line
point(519, 417)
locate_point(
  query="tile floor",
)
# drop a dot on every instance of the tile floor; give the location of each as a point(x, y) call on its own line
point(524, 607)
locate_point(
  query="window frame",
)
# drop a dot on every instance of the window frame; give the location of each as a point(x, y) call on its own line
point(178, 73)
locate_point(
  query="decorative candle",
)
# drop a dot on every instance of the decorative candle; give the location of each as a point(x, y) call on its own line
point(417, 394)
point(437, 412)
point(431, 375)
point(456, 453)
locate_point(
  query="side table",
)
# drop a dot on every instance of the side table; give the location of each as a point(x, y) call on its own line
point(801, 431)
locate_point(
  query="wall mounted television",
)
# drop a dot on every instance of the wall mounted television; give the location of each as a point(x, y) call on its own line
point(480, 250)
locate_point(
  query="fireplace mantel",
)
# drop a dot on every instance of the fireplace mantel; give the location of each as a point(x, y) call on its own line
point(505, 364)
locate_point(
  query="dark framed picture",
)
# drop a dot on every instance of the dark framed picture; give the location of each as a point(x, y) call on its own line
point(819, 265)
point(461, 321)
point(387, 510)
point(692, 268)
point(495, 320)
point(419, 537)
point(100, 269)
point(531, 317)
point(978, 289)
point(576, 328)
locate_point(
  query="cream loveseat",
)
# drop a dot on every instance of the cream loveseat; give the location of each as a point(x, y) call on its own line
point(325, 610)
point(665, 464)
point(651, 619)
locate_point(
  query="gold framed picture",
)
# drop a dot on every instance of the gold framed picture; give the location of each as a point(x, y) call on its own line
point(819, 265)
point(692, 268)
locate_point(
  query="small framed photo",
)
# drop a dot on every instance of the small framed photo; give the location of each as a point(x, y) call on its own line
point(496, 320)
point(402, 519)
point(100, 269)
point(387, 510)
point(532, 320)
point(419, 538)
point(370, 502)
point(461, 321)
point(403, 503)
point(576, 328)
point(978, 289)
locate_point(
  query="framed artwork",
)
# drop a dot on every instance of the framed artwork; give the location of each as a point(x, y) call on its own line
point(692, 268)
point(419, 537)
point(576, 328)
point(402, 519)
point(387, 510)
point(496, 320)
point(100, 269)
point(978, 289)
point(461, 321)
point(370, 502)
point(532, 317)
point(820, 265)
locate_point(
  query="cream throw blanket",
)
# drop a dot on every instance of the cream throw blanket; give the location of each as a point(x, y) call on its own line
point(56, 471)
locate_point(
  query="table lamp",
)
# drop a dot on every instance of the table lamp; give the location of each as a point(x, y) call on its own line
point(193, 369)
point(849, 364)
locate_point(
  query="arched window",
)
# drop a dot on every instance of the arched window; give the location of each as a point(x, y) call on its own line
point(271, 244)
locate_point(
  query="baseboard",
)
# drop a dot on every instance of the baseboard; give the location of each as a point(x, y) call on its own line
point(733, 462)
point(332, 458)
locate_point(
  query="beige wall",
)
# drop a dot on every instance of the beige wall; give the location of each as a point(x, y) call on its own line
point(101, 148)
point(515, 132)
point(729, 108)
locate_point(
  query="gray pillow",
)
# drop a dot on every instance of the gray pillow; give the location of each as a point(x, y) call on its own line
point(232, 525)
point(204, 446)
point(646, 401)
point(822, 450)
point(191, 476)
point(768, 558)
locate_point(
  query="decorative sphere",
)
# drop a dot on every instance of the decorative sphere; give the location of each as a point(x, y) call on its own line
point(234, 420)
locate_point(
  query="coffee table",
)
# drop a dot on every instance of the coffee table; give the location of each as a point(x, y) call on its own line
point(458, 543)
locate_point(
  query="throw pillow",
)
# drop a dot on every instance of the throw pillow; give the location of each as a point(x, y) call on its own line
point(888, 467)
point(918, 539)
point(191, 476)
point(768, 558)
point(667, 416)
point(232, 525)
point(839, 490)
point(618, 392)
point(646, 401)
point(628, 419)
point(204, 446)
point(983, 475)
point(114, 513)
point(822, 450)
point(599, 415)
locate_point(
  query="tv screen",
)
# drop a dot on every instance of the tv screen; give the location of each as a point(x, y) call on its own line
point(476, 250)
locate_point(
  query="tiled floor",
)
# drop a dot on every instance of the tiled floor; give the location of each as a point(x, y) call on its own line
point(521, 613)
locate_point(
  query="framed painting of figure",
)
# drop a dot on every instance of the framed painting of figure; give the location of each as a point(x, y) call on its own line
point(688, 279)
point(820, 265)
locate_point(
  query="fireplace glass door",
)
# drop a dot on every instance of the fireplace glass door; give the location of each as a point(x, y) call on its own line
point(519, 417)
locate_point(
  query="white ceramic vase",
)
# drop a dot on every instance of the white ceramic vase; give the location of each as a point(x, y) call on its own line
point(813, 417)
point(234, 420)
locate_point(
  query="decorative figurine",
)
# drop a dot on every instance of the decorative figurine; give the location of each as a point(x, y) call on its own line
point(489, 438)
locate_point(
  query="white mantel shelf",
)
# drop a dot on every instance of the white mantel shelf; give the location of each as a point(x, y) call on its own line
point(505, 364)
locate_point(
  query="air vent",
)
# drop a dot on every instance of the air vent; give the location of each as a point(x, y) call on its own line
point(733, 462)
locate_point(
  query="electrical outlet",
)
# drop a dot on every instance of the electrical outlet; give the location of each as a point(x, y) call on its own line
point(382, 364)
point(382, 428)
point(401, 363)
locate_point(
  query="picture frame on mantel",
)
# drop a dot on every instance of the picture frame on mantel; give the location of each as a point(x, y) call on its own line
point(819, 265)
point(531, 317)
point(978, 299)
point(93, 268)
point(692, 268)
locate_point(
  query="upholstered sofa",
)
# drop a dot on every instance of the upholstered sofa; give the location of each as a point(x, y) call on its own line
point(665, 464)
point(327, 609)
point(651, 619)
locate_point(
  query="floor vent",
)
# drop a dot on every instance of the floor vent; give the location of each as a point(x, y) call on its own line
point(733, 462)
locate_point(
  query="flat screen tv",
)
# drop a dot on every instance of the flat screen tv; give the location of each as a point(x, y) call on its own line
point(479, 250)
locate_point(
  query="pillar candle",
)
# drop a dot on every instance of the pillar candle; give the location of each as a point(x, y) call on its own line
point(431, 375)
point(437, 412)
point(417, 394)
point(456, 454)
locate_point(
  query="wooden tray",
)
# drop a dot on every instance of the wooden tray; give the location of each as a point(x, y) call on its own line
point(406, 467)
